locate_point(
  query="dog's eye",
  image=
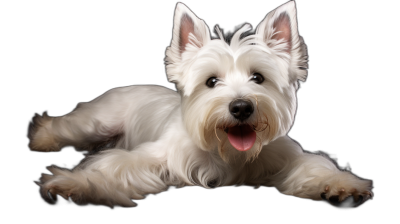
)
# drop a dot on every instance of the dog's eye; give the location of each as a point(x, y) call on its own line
point(257, 78)
point(211, 82)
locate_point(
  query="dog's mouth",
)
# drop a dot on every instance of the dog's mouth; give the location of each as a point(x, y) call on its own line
point(242, 137)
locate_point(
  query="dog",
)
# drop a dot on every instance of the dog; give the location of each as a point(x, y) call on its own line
point(226, 124)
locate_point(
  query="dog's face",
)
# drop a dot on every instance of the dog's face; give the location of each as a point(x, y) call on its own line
point(240, 94)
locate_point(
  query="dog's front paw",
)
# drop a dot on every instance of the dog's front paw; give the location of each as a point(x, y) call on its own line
point(343, 185)
point(40, 136)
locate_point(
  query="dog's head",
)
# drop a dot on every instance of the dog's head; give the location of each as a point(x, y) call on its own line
point(237, 94)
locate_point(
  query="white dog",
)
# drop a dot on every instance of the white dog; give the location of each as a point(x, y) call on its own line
point(226, 124)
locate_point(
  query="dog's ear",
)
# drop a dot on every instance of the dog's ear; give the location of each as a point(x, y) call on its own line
point(279, 31)
point(190, 33)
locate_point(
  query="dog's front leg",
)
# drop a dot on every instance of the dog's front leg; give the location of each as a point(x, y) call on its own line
point(112, 177)
point(307, 175)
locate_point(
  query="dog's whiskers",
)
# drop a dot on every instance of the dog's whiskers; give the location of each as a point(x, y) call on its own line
point(259, 120)
point(215, 129)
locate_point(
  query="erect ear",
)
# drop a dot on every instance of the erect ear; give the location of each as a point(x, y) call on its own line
point(279, 31)
point(190, 33)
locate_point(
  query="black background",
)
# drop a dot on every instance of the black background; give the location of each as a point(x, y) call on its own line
point(63, 54)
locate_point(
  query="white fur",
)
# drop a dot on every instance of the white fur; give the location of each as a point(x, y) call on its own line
point(177, 138)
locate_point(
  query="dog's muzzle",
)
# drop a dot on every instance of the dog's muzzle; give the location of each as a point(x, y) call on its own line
point(242, 137)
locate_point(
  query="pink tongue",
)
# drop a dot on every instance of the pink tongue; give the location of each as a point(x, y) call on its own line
point(242, 137)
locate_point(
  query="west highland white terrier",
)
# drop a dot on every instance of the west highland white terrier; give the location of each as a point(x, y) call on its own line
point(226, 124)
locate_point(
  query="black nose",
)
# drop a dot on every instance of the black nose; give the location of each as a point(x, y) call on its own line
point(241, 109)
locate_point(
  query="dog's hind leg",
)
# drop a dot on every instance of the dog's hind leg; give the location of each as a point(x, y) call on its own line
point(111, 177)
point(93, 124)
point(306, 175)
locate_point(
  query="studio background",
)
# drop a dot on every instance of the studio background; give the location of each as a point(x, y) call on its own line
point(54, 54)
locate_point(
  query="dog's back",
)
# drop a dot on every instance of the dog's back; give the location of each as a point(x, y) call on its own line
point(148, 111)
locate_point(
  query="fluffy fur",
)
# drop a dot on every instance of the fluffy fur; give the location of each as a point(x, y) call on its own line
point(156, 137)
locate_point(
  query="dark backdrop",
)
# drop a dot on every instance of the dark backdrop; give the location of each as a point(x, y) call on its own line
point(70, 53)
